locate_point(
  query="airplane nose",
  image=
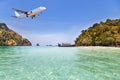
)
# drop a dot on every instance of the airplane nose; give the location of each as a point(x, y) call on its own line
point(44, 8)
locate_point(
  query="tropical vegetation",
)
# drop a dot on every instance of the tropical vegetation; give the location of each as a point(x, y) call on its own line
point(100, 34)
point(10, 38)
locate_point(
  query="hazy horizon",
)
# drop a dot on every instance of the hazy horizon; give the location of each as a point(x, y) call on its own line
point(63, 20)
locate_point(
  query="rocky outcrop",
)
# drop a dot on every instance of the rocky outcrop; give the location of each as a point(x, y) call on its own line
point(101, 34)
point(10, 38)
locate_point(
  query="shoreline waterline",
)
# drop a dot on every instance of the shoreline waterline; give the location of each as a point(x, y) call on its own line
point(97, 46)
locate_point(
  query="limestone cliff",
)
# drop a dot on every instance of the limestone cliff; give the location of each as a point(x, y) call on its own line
point(10, 38)
point(101, 34)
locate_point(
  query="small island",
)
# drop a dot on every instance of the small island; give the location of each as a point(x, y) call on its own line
point(10, 38)
point(101, 34)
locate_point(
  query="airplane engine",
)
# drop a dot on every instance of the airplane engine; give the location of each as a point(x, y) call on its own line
point(35, 16)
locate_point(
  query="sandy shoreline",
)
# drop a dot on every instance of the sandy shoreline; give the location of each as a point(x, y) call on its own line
point(97, 47)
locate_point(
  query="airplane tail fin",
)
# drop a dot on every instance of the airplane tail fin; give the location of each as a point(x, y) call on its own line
point(17, 14)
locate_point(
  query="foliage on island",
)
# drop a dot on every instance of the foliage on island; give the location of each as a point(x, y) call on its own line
point(10, 38)
point(101, 34)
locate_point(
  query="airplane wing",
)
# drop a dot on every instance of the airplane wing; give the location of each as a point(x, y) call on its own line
point(22, 11)
point(14, 16)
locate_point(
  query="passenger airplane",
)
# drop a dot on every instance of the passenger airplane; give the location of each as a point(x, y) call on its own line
point(32, 13)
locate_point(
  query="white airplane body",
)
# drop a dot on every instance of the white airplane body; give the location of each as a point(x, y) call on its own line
point(32, 13)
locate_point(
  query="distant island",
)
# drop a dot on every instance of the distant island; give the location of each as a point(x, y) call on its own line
point(10, 38)
point(101, 34)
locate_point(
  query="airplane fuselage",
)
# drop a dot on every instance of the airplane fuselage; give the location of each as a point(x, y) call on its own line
point(32, 13)
point(36, 11)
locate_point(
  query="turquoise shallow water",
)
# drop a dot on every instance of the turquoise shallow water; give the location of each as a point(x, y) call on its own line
point(57, 63)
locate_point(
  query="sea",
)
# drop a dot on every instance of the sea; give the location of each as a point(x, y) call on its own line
point(59, 63)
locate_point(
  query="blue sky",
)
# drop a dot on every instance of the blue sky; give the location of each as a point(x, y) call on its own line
point(61, 22)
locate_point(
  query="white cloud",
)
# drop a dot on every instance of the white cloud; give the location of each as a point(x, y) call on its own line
point(49, 39)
